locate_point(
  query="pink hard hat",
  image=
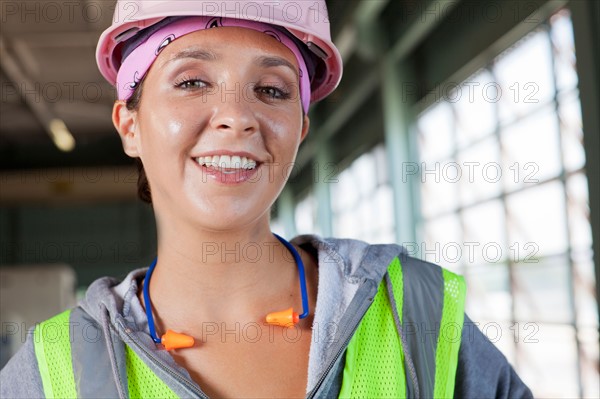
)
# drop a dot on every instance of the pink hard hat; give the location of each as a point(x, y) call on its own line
point(307, 20)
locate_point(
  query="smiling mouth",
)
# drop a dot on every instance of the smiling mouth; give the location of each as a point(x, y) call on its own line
point(227, 164)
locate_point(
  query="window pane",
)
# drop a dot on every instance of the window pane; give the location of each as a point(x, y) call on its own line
point(542, 290)
point(363, 200)
point(531, 150)
point(485, 241)
point(436, 132)
point(305, 213)
point(384, 208)
point(481, 171)
point(572, 131)
point(537, 221)
point(564, 50)
point(525, 76)
point(549, 357)
point(347, 227)
point(344, 193)
point(475, 113)
point(439, 187)
point(489, 295)
point(441, 237)
point(364, 170)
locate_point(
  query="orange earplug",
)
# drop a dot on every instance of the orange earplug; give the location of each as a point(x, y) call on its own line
point(174, 340)
point(283, 318)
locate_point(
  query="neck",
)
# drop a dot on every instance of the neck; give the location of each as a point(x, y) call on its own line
point(220, 275)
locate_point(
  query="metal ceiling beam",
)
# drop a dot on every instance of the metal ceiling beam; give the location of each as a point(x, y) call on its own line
point(68, 185)
point(421, 27)
point(366, 11)
point(34, 99)
point(84, 39)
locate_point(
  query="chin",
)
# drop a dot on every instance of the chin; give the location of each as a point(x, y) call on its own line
point(223, 218)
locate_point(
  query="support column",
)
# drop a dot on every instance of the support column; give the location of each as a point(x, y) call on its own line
point(400, 152)
point(322, 180)
point(586, 22)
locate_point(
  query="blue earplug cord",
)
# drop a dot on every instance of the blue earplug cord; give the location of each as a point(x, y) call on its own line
point(289, 246)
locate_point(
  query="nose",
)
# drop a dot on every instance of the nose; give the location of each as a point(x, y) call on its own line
point(234, 115)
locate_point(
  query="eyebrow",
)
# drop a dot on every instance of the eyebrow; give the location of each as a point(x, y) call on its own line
point(197, 54)
point(270, 61)
point(205, 55)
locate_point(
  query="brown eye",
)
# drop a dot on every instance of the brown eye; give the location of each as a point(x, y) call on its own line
point(273, 93)
point(190, 84)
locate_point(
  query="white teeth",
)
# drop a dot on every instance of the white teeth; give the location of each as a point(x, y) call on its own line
point(227, 162)
point(224, 162)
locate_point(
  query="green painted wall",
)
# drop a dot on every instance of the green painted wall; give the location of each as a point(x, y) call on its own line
point(96, 240)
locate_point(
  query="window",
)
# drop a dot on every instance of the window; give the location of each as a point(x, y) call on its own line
point(504, 202)
point(362, 200)
point(306, 215)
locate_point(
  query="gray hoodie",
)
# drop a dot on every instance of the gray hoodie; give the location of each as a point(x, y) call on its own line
point(349, 274)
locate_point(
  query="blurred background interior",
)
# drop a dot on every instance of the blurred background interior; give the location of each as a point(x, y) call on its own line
point(467, 131)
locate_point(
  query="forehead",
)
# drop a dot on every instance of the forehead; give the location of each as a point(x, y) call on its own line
point(227, 43)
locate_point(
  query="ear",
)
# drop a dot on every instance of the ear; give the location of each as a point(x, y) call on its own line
point(305, 126)
point(125, 121)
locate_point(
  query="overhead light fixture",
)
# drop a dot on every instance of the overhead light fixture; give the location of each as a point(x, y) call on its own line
point(61, 136)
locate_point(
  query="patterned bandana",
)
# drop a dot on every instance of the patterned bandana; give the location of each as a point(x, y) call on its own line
point(140, 53)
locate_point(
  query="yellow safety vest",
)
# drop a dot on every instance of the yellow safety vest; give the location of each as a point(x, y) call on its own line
point(377, 364)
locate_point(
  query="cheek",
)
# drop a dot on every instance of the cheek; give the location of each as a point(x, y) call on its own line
point(167, 121)
point(285, 130)
point(166, 128)
point(174, 129)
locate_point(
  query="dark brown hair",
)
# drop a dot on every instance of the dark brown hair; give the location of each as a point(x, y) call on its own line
point(143, 187)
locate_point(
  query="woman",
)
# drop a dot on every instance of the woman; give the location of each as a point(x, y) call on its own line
point(215, 106)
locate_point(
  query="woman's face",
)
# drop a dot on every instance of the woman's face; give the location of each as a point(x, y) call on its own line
point(214, 104)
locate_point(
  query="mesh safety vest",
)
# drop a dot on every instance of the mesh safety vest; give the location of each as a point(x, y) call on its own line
point(392, 354)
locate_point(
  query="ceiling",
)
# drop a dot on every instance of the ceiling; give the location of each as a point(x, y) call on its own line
point(48, 71)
